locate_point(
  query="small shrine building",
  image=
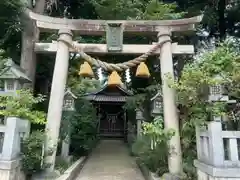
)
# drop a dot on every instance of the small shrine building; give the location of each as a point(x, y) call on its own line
point(113, 118)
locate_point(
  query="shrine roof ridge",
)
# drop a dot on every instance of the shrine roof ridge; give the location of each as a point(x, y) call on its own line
point(16, 72)
point(106, 98)
point(98, 97)
point(68, 91)
point(155, 96)
point(106, 86)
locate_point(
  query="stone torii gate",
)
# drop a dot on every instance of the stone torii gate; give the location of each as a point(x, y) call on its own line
point(161, 29)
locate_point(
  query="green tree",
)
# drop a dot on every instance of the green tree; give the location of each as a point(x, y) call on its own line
point(84, 120)
point(136, 9)
point(220, 17)
point(191, 94)
point(10, 32)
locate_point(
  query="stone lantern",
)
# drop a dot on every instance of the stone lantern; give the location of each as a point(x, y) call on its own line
point(157, 105)
point(69, 101)
point(139, 114)
point(139, 118)
point(68, 108)
point(12, 78)
point(217, 93)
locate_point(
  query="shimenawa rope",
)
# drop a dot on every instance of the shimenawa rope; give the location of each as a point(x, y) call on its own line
point(119, 66)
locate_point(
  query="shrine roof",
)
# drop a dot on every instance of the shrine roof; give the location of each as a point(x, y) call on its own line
point(105, 98)
point(69, 92)
point(109, 94)
point(156, 96)
point(13, 71)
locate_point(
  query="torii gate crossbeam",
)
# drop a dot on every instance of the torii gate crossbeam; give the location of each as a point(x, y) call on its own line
point(98, 49)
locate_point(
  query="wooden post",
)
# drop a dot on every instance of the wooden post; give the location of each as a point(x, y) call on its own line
point(169, 106)
point(56, 98)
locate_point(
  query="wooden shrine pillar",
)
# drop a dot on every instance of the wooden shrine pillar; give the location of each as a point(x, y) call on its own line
point(169, 104)
point(56, 97)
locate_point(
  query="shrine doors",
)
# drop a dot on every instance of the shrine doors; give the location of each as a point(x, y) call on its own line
point(112, 125)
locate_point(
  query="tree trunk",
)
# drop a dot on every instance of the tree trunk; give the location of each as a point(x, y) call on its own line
point(221, 21)
point(30, 35)
point(28, 57)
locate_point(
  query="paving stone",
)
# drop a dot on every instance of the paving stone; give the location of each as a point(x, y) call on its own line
point(110, 161)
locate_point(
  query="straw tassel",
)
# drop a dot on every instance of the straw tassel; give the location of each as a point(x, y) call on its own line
point(114, 79)
point(86, 70)
point(142, 70)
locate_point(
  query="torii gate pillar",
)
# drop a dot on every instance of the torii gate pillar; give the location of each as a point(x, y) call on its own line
point(169, 103)
point(56, 98)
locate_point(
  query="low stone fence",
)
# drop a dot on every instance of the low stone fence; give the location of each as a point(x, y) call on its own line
point(218, 153)
point(73, 170)
point(11, 132)
point(147, 174)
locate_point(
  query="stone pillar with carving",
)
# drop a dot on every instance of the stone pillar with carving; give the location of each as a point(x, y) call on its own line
point(56, 98)
point(169, 104)
point(139, 119)
point(68, 111)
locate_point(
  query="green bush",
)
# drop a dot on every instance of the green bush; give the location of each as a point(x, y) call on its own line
point(61, 164)
point(22, 106)
point(31, 149)
point(151, 149)
point(154, 159)
point(84, 128)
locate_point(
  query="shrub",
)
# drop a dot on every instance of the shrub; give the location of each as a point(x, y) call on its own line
point(151, 149)
point(154, 159)
point(83, 128)
point(31, 149)
point(61, 164)
point(21, 106)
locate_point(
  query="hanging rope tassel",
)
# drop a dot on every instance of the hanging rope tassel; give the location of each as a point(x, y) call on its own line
point(114, 79)
point(86, 70)
point(142, 70)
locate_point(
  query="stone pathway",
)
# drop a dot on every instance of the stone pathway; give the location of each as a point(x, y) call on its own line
point(110, 161)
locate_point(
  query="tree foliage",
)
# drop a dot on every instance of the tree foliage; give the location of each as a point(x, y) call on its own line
point(151, 149)
point(31, 153)
point(83, 121)
point(136, 9)
point(192, 99)
point(83, 128)
point(22, 105)
point(10, 32)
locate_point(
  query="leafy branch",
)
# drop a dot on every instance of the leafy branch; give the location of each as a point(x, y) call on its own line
point(21, 105)
point(192, 91)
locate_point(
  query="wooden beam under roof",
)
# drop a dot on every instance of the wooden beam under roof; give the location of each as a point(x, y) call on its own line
point(102, 48)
